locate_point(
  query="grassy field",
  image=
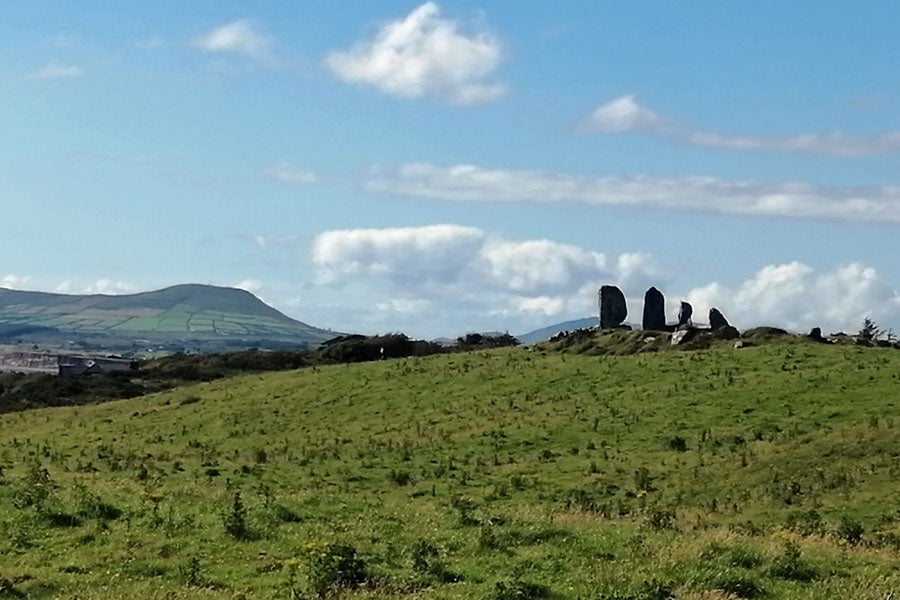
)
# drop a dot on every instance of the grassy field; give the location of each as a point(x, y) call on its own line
point(769, 471)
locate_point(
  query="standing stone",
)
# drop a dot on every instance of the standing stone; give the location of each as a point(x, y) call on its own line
point(654, 311)
point(717, 320)
point(613, 309)
point(684, 314)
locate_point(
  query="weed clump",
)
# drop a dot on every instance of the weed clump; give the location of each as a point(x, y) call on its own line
point(235, 519)
point(791, 565)
point(332, 567)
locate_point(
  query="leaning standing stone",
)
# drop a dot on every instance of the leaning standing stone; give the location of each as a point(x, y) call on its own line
point(613, 309)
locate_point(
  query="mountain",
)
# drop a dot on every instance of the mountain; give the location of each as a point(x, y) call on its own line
point(545, 333)
point(191, 317)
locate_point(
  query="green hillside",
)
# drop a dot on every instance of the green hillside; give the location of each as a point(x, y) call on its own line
point(200, 313)
point(766, 472)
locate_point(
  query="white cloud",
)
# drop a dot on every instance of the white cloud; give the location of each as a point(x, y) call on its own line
point(249, 285)
point(443, 279)
point(56, 70)
point(787, 199)
point(539, 266)
point(109, 287)
point(240, 37)
point(833, 144)
point(626, 114)
point(432, 253)
point(64, 287)
point(443, 267)
point(287, 173)
point(623, 114)
point(423, 54)
point(14, 282)
point(793, 295)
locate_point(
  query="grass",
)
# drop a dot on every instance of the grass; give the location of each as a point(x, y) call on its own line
point(765, 472)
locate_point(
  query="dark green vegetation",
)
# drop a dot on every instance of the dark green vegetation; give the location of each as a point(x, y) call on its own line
point(767, 472)
point(20, 391)
point(198, 317)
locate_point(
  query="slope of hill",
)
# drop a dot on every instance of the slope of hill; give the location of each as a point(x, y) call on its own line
point(545, 333)
point(193, 314)
point(771, 472)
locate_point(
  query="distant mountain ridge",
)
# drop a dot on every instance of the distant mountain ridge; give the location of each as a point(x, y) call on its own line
point(545, 333)
point(186, 315)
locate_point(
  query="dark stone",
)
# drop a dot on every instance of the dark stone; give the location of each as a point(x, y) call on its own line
point(684, 314)
point(727, 332)
point(613, 308)
point(717, 320)
point(815, 334)
point(683, 336)
point(654, 310)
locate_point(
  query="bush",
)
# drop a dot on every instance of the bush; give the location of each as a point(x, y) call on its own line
point(235, 519)
point(791, 565)
point(331, 567)
point(677, 443)
point(850, 530)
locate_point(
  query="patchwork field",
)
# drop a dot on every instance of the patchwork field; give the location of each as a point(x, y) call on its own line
point(771, 471)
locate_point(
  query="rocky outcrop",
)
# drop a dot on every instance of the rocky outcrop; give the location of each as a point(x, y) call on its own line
point(613, 308)
point(717, 320)
point(684, 314)
point(654, 311)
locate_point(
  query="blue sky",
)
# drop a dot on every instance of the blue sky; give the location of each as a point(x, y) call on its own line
point(443, 167)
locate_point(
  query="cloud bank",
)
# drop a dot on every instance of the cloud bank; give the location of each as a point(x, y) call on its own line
point(423, 54)
point(626, 114)
point(418, 278)
point(795, 296)
point(471, 183)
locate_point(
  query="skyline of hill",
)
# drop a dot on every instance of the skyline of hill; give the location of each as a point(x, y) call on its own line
point(207, 316)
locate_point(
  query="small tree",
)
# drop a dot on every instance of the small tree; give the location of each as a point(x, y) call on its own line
point(870, 331)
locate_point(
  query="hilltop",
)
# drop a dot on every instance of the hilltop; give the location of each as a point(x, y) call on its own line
point(192, 316)
point(765, 472)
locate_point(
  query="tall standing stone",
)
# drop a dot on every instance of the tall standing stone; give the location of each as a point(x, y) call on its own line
point(654, 311)
point(684, 314)
point(717, 320)
point(613, 308)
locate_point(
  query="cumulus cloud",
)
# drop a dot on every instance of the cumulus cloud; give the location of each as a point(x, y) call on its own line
point(56, 70)
point(430, 278)
point(109, 287)
point(472, 183)
point(288, 173)
point(249, 285)
point(433, 253)
point(795, 296)
point(455, 264)
point(424, 54)
point(623, 114)
point(239, 37)
point(14, 282)
point(626, 114)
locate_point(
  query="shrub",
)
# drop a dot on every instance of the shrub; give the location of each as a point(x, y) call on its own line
point(34, 489)
point(791, 565)
point(677, 443)
point(850, 530)
point(235, 519)
point(8, 590)
point(330, 567)
point(806, 523)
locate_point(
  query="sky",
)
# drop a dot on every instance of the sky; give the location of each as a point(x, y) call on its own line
point(439, 168)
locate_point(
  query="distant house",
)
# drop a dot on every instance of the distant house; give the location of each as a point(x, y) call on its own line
point(72, 366)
